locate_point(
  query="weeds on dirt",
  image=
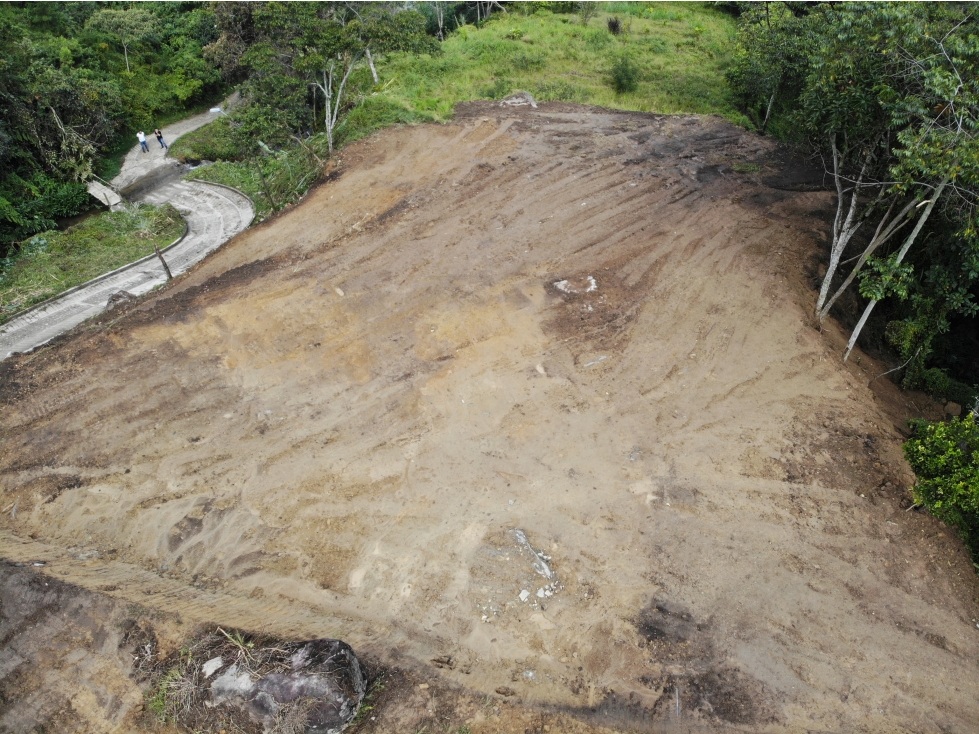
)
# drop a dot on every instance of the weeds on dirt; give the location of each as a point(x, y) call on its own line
point(625, 75)
point(52, 262)
point(178, 695)
point(374, 689)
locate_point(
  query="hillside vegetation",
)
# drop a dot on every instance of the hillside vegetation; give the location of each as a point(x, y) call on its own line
point(77, 80)
point(659, 57)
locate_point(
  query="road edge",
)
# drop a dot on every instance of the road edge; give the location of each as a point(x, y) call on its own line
point(127, 266)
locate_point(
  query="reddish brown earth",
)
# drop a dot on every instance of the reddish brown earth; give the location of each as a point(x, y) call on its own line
point(583, 325)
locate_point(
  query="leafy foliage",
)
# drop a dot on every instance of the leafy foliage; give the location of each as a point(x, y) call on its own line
point(888, 95)
point(75, 79)
point(289, 54)
point(945, 458)
point(625, 74)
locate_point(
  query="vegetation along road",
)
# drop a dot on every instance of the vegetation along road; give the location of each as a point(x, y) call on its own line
point(213, 215)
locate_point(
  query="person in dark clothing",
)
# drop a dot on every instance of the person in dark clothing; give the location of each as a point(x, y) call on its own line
point(159, 136)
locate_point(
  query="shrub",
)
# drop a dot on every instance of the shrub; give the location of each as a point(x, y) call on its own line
point(614, 26)
point(625, 75)
point(499, 89)
point(945, 458)
point(586, 11)
point(935, 382)
point(212, 142)
point(596, 39)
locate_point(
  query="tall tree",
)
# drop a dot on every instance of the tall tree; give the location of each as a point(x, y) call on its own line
point(886, 94)
point(317, 46)
point(128, 26)
point(937, 151)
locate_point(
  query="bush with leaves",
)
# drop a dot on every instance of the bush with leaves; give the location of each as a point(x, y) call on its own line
point(625, 74)
point(945, 458)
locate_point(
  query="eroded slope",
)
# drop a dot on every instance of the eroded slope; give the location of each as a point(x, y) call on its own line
point(573, 324)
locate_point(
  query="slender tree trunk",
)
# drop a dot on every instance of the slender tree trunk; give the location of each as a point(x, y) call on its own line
point(440, 17)
point(844, 227)
point(881, 236)
point(897, 261)
point(327, 103)
point(370, 63)
point(125, 52)
point(333, 105)
point(166, 268)
point(768, 111)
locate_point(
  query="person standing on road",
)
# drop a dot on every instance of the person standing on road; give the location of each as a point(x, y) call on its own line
point(141, 137)
point(159, 136)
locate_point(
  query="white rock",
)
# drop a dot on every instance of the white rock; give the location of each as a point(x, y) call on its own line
point(524, 595)
point(211, 666)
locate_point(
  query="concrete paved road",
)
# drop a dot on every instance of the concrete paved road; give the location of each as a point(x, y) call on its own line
point(138, 165)
point(214, 215)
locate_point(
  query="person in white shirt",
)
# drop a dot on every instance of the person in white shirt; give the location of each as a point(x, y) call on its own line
point(141, 137)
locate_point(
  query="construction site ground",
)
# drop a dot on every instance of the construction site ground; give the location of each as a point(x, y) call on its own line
point(529, 409)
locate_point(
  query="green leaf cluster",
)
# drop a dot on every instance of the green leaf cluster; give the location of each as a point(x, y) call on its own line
point(294, 60)
point(78, 79)
point(945, 458)
point(887, 94)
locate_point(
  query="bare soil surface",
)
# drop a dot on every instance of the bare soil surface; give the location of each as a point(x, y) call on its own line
point(561, 351)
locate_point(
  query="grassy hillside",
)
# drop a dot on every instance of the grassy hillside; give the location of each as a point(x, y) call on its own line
point(666, 57)
point(679, 52)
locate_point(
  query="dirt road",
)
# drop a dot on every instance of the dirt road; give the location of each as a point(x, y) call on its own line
point(528, 403)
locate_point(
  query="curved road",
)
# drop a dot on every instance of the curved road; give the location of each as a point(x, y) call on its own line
point(214, 214)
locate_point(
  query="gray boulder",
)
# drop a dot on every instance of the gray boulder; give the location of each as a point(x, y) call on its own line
point(323, 684)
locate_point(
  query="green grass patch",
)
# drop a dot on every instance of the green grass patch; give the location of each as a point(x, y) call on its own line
point(212, 142)
point(52, 262)
point(677, 52)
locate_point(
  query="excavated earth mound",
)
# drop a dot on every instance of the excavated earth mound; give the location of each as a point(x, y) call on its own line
point(527, 404)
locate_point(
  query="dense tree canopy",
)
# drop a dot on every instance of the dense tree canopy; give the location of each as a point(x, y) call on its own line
point(75, 79)
point(293, 56)
point(888, 95)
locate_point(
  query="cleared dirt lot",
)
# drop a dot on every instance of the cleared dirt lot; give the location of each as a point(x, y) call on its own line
point(558, 351)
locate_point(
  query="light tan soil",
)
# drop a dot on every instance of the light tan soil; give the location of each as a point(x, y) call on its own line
point(579, 324)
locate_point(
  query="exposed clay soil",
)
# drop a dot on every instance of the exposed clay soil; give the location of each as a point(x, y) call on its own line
point(580, 324)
